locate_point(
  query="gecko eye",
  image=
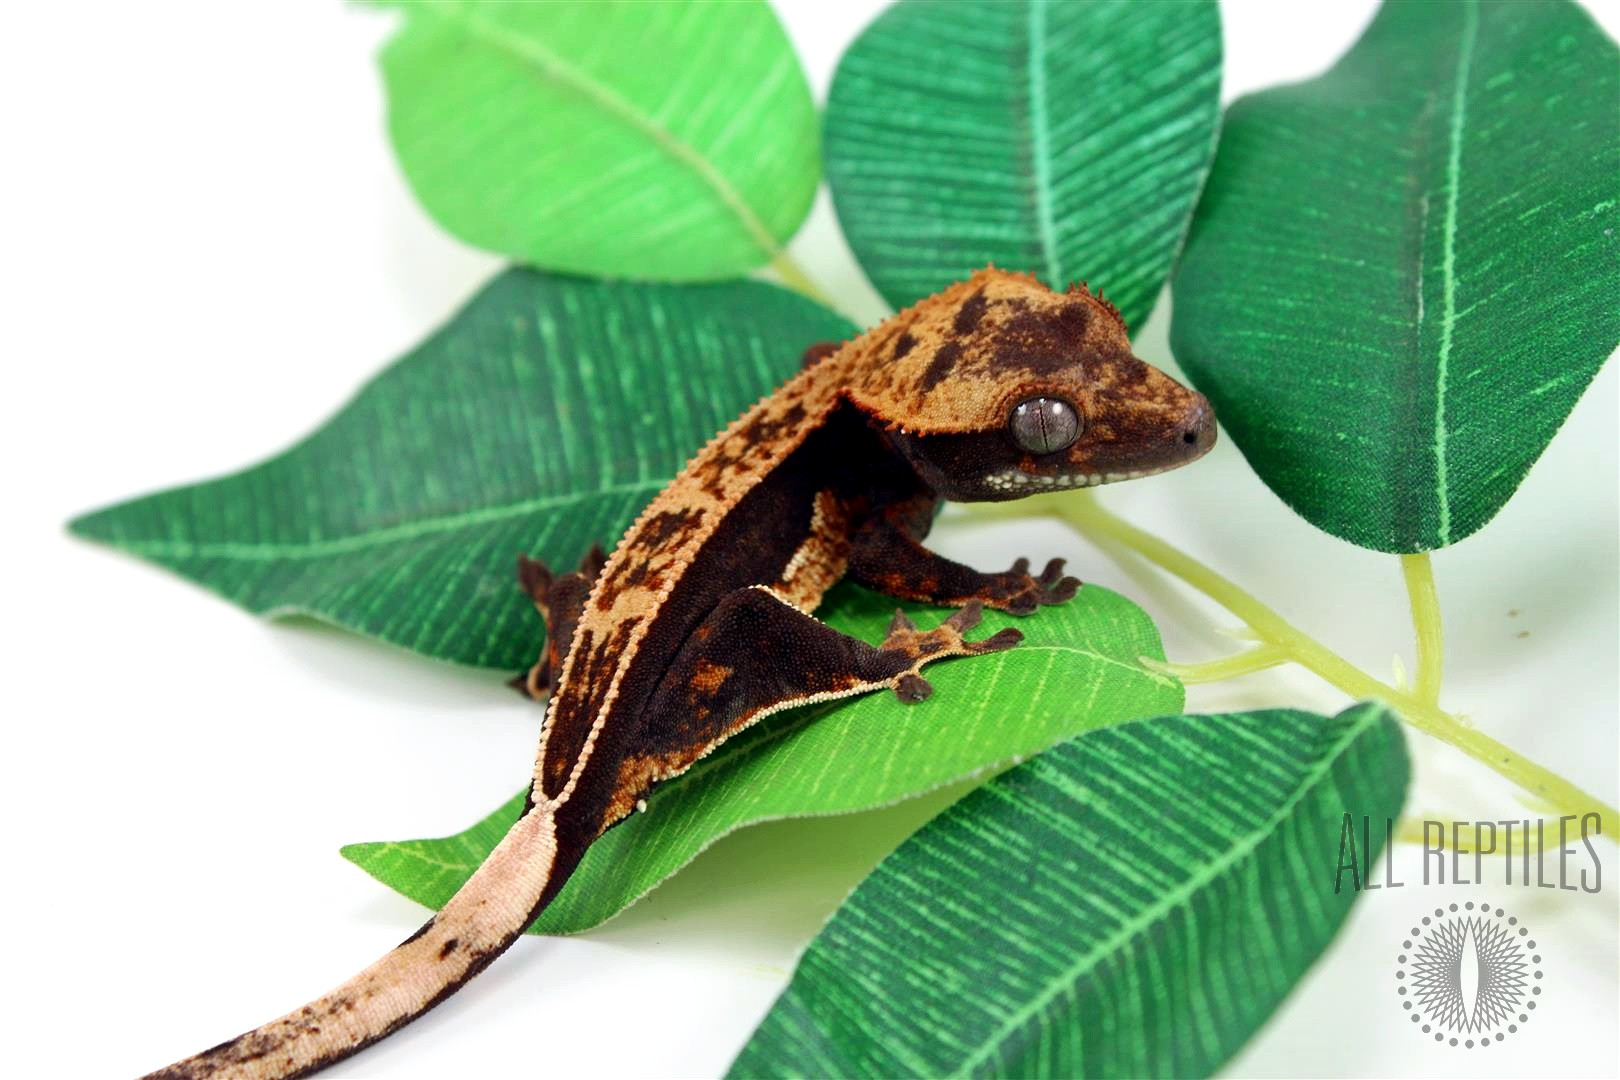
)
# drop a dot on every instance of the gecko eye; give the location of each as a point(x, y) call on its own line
point(1044, 425)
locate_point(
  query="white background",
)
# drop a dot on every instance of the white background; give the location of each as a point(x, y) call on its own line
point(207, 248)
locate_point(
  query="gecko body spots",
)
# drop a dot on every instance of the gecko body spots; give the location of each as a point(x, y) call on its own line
point(944, 362)
point(767, 427)
point(659, 529)
point(1044, 342)
point(708, 676)
point(969, 314)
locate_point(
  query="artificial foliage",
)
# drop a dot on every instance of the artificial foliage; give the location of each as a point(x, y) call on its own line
point(1069, 140)
point(1046, 926)
point(1404, 273)
point(402, 517)
point(1399, 279)
point(665, 141)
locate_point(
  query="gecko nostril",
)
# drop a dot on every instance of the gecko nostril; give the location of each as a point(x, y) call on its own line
point(1190, 438)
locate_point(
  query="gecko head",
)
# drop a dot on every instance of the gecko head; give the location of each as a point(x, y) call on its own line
point(998, 388)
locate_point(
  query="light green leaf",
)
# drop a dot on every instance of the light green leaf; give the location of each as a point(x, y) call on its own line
point(540, 419)
point(1077, 669)
point(1404, 273)
point(656, 140)
point(1135, 902)
point(1069, 140)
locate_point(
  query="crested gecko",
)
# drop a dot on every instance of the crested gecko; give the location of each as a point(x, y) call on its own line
point(699, 623)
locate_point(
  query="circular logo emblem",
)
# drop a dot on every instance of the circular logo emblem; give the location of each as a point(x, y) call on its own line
point(1468, 975)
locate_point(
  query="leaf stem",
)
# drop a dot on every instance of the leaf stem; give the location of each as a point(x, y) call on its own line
point(1227, 667)
point(1082, 511)
point(1419, 574)
point(794, 277)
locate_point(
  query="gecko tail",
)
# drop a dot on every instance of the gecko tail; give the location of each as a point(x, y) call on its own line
point(479, 922)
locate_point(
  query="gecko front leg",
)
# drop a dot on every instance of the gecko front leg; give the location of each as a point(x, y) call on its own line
point(887, 554)
point(756, 654)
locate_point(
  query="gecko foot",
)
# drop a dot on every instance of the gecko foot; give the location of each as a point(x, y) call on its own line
point(1019, 593)
point(535, 577)
point(947, 639)
point(558, 599)
point(535, 683)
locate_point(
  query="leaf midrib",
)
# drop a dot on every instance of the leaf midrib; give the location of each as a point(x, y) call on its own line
point(1172, 899)
point(250, 551)
point(1448, 273)
point(1040, 138)
point(547, 64)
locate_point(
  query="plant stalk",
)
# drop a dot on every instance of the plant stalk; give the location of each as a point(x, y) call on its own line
point(794, 277)
point(1419, 575)
point(1083, 512)
point(1227, 667)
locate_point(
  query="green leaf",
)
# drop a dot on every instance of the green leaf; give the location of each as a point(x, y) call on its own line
point(1132, 903)
point(673, 141)
point(1077, 669)
point(540, 419)
point(1069, 140)
point(1403, 273)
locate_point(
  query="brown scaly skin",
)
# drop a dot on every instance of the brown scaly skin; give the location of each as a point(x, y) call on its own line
point(698, 624)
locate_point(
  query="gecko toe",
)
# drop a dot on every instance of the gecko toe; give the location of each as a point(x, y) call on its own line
point(912, 688)
point(999, 641)
point(901, 621)
point(967, 617)
point(591, 563)
point(1024, 603)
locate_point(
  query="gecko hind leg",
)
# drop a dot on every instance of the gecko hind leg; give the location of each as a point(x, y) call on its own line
point(560, 600)
point(756, 654)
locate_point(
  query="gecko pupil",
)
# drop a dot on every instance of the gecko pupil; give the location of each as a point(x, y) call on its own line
point(1044, 425)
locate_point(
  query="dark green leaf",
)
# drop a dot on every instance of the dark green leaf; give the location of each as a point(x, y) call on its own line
point(1404, 273)
point(1069, 140)
point(654, 140)
point(1077, 669)
point(540, 419)
point(1135, 902)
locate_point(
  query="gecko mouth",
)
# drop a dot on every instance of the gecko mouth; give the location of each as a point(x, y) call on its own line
point(1017, 480)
